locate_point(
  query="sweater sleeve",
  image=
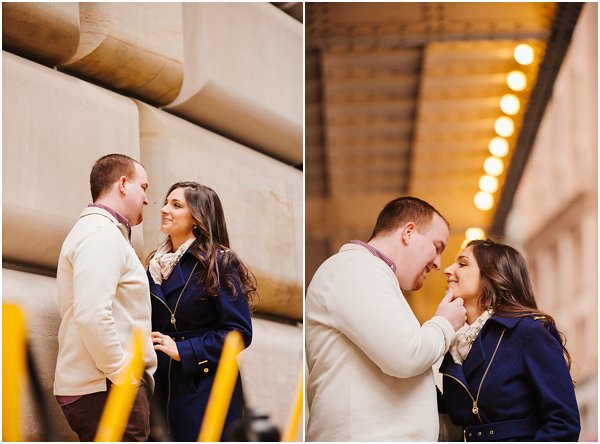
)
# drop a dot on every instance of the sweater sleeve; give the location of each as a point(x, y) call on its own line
point(97, 265)
point(558, 416)
point(203, 352)
point(367, 306)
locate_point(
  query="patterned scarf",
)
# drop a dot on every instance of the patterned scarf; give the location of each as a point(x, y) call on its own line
point(162, 264)
point(466, 335)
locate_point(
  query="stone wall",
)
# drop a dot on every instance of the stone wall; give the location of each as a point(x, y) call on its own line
point(84, 80)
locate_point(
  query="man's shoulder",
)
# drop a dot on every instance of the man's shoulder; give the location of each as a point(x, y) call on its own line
point(351, 263)
point(96, 215)
point(97, 218)
point(351, 257)
point(93, 226)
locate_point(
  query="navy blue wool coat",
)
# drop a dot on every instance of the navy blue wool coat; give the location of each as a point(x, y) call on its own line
point(199, 327)
point(527, 393)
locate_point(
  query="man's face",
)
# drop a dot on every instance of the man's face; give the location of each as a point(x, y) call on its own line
point(136, 195)
point(425, 251)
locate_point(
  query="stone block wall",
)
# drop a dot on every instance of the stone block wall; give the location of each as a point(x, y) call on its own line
point(84, 80)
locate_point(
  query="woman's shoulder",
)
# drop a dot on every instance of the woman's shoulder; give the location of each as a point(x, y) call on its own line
point(527, 324)
point(537, 327)
point(189, 259)
point(195, 251)
point(222, 252)
point(226, 257)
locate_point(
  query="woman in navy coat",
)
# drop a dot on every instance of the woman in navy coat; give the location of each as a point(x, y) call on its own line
point(506, 377)
point(200, 290)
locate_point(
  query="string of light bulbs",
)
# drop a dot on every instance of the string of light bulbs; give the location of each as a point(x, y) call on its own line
point(504, 127)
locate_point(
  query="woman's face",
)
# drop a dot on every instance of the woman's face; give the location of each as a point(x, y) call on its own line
point(464, 277)
point(176, 217)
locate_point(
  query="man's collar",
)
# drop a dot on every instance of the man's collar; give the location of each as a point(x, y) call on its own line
point(121, 219)
point(375, 252)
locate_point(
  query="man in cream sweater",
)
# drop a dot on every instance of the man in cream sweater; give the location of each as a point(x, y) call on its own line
point(103, 295)
point(369, 359)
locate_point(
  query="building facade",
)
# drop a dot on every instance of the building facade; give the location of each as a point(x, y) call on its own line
point(554, 218)
point(206, 92)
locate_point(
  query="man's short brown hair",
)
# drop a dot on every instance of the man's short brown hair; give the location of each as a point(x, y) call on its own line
point(403, 210)
point(107, 170)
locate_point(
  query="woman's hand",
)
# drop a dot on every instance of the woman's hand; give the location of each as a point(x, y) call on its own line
point(165, 344)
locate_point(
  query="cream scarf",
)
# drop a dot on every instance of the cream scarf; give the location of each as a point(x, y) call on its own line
point(163, 262)
point(466, 335)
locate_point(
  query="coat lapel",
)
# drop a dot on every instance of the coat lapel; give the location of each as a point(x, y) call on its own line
point(155, 288)
point(475, 357)
point(478, 353)
point(450, 368)
point(175, 282)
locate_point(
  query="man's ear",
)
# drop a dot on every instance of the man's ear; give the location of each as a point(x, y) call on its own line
point(121, 184)
point(407, 231)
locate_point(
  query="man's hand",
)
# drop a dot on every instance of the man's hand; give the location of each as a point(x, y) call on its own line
point(453, 310)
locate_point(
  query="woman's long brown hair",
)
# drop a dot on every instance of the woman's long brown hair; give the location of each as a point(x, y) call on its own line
point(506, 285)
point(211, 247)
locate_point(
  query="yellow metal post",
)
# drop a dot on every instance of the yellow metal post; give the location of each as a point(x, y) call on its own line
point(122, 394)
point(291, 429)
point(13, 370)
point(222, 389)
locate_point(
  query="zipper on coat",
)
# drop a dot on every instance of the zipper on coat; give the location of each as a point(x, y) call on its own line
point(475, 408)
point(173, 320)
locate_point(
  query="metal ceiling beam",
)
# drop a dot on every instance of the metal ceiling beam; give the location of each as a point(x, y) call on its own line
point(560, 38)
point(416, 24)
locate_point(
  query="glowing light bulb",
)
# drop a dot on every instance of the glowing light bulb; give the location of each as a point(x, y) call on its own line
point(498, 147)
point(504, 126)
point(510, 104)
point(524, 54)
point(484, 201)
point(493, 166)
point(474, 233)
point(516, 80)
point(488, 183)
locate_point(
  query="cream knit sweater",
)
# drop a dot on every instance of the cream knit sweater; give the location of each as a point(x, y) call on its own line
point(102, 294)
point(369, 360)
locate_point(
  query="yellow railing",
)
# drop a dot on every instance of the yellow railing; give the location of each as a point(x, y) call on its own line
point(122, 394)
point(13, 370)
point(291, 429)
point(222, 389)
